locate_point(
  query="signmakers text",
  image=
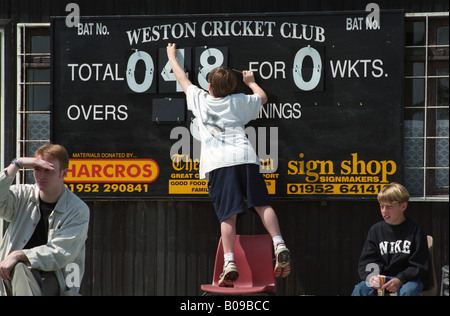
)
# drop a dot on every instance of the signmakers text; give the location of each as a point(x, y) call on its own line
point(352, 170)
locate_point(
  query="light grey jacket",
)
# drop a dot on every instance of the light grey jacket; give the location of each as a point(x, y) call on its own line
point(64, 252)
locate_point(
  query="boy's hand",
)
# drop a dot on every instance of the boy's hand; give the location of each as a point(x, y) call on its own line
point(249, 80)
point(393, 285)
point(33, 162)
point(248, 77)
point(375, 282)
point(10, 262)
point(29, 162)
point(171, 50)
point(179, 73)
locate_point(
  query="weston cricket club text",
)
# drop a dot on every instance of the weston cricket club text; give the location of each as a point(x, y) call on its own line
point(226, 28)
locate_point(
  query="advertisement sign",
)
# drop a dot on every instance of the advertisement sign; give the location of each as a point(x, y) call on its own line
point(332, 126)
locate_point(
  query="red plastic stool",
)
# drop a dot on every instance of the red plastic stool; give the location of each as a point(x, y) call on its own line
point(254, 259)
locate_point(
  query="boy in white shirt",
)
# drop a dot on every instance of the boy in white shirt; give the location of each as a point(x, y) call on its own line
point(228, 158)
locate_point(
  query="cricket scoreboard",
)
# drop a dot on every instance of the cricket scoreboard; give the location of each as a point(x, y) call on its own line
point(332, 126)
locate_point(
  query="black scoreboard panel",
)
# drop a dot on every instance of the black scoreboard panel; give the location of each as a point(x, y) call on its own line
point(332, 126)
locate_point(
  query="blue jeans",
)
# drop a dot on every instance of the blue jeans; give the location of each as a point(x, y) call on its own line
point(410, 288)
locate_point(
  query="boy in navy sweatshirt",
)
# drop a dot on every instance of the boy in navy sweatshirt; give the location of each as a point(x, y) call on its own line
point(395, 247)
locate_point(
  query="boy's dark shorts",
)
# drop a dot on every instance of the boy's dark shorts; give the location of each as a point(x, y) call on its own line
point(229, 186)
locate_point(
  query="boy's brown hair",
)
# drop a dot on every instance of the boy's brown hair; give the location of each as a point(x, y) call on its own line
point(393, 193)
point(223, 81)
point(54, 151)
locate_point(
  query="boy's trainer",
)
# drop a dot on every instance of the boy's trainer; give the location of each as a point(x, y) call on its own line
point(229, 275)
point(282, 261)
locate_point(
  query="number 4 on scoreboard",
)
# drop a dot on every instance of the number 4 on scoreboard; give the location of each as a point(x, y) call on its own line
point(168, 83)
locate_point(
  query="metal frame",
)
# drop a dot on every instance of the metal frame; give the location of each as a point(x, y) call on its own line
point(426, 107)
point(21, 93)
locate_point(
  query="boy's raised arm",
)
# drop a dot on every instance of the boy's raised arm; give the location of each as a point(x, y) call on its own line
point(179, 73)
point(249, 80)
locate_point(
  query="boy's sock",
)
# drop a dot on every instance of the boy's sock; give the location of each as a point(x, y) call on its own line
point(228, 257)
point(277, 240)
